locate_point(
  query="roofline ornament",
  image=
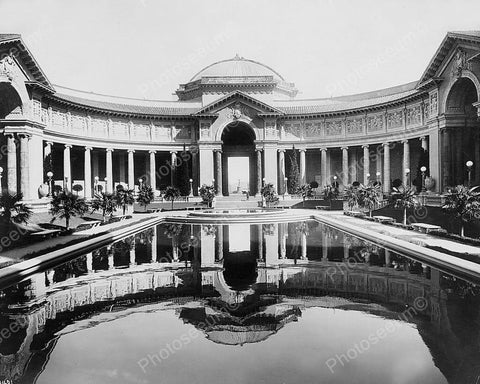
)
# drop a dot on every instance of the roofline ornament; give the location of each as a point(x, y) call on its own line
point(460, 63)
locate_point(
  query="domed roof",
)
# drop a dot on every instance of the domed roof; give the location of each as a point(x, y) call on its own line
point(237, 67)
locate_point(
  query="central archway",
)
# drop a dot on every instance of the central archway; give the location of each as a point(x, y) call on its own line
point(238, 147)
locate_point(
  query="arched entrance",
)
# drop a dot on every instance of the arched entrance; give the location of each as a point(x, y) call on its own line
point(464, 132)
point(238, 147)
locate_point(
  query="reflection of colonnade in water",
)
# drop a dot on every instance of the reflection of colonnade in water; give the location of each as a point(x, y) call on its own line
point(136, 272)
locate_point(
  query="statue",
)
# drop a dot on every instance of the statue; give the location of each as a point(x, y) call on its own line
point(6, 66)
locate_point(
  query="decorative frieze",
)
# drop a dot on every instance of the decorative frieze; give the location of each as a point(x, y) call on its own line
point(119, 129)
point(333, 128)
point(414, 116)
point(354, 126)
point(433, 99)
point(313, 129)
point(140, 132)
point(58, 119)
point(204, 131)
point(395, 119)
point(78, 124)
point(37, 110)
point(375, 123)
point(99, 127)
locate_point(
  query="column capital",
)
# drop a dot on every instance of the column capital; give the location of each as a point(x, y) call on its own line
point(422, 138)
point(173, 152)
point(88, 148)
point(130, 150)
point(49, 143)
point(302, 149)
point(404, 141)
point(9, 135)
point(68, 146)
point(323, 149)
point(344, 148)
point(281, 150)
point(386, 144)
point(258, 149)
point(365, 146)
point(24, 135)
point(109, 149)
point(152, 151)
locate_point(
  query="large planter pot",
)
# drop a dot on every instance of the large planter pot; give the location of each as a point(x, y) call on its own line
point(429, 183)
point(43, 190)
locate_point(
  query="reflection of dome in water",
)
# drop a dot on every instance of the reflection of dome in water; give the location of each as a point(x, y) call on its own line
point(224, 328)
point(240, 271)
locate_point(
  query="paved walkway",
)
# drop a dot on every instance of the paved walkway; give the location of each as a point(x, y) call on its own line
point(413, 237)
point(17, 254)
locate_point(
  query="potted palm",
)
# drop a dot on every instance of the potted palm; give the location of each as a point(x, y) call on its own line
point(369, 197)
point(13, 211)
point(145, 196)
point(66, 205)
point(105, 202)
point(464, 203)
point(352, 195)
point(330, 193)
point(207, 193)
point(305, 191)
point(124, 198)
point(404, 198)
point(171, 194)
point(269, 194)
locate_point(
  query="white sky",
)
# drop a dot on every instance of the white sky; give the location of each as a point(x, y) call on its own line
point(145, 48)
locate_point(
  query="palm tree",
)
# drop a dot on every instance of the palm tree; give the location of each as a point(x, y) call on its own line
point(124, 197)
point(66, 205)
point(464, 202)
point(352, 195)
point(404, 198)
point(369, 197)
point(305, 191)
point(145, 196)
point(106, 202)
point(171, 194)
point(207, 193)
point(330, 193)
point(269, 194)
point(13, 210)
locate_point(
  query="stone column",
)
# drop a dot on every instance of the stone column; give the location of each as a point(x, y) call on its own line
point(109, 167)
point(476, 165)
point(220, 243)
point(24, 166)
point(366, 164)
point(206, 165)
point(259, 171)
point(281, 172)
point(173, 161)
point(302, 166)
point(386, 167)
point(195, 171)
point(122, 167)
point(111, 257)
point(270, 165)
point(132, 258)
point(89, 262)
point(153, 258)
point(88, 173)
point(458, 151)
point(67, 168)
point(282, 235)
point(260, 242)
point(303, 247)
point(218, 172)
point(131, 169)
point(446, 157)
point(345, 166)
point(323, 166)
point(406, 162)
point(152, 172)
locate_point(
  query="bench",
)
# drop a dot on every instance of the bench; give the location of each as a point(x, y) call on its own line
point(426, 228)
point(383, 219)
point(88, 225)
point(322, 207)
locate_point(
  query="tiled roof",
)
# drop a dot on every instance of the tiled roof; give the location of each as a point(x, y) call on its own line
point(345, 103)
point(124, 105)
point(9, 36)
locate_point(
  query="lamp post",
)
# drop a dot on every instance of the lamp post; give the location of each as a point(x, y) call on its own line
point(407, 176)
point(368, 179)
point(423, 169)
point(50, 189)
point(378, 174)
point(285, 180)
point(95, 187)
point(140, 182)
point(469, 169)
point(191, 187)
point(1, 173)
point(264, 181)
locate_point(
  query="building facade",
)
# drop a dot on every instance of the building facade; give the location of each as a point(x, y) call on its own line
point(239, 108)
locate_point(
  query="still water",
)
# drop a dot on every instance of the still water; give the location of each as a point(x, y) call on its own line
point(273, 303)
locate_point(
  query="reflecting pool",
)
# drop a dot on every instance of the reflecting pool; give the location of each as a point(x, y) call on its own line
point(241, 303)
